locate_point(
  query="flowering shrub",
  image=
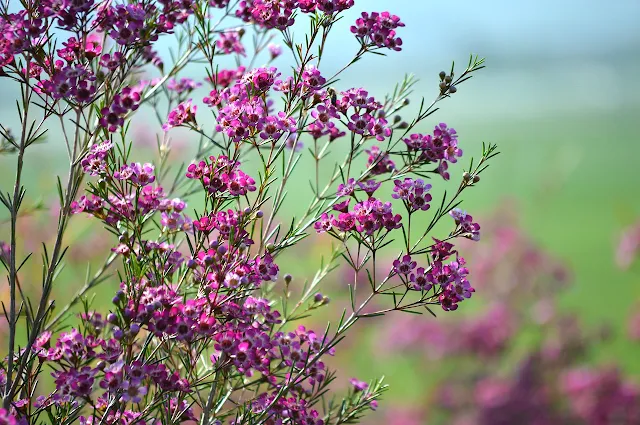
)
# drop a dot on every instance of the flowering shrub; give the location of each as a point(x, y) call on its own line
point(202, 326)
point(520, 359)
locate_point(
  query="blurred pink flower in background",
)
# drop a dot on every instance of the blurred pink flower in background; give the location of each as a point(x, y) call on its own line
point(629, 246)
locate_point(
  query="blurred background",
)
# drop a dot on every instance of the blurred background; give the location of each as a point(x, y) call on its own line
point(555, 307)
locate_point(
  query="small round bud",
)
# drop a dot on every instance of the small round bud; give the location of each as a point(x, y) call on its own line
point(112, 318)
point(442, 75)
point(214, 245)
point(150, 308)
point(222, 249)
point(318, 297)
point(397, 119)
point(242, 247)
point(192, 264)
point(442, 85)
point(259, 214)
point(453, 89)
point(117, 333)
point(476, 179)
point(406, 101)
point(101, 365)
point(115, 300)
point(466, 176)
point(448, 79)
point(288, 278)
point(270, 247)
point(247, 210)
point(208, 260)
point(127, 313)
point(325, 300)
point(403, 125)
point(134, 328)
point(381, 114)
point(241, 32)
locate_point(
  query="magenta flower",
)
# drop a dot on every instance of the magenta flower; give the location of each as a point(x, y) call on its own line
point(379, 161)
point(346, 189)
point(466, 227)
point(275, 50)
point(323, 224)
point(404, 265)
point(369, 186)
point(358, 385)
point(132, 391)
point(181, 114)
point(378, 30)
point(229, 42)
point(142, 174)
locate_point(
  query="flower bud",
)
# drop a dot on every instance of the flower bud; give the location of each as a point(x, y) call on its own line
point(192, 264)
point(442, 75)
point(270, 247)
point(443, 86)
point(259, 214)
point(247, 210)
point(222, 249)
point(134, 329)
point(117, 333)
point(318, 297)
point(112, 318)
point(288, 278)
point(466, 176)
point(397, 119)
point(476, 179)
point(453, 89)
point(448, 79)
point(403, 125)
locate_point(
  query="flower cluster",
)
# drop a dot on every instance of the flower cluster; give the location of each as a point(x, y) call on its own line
point(368, 217)
point(378, 30)
point(441, 147)
point(183, 113)
point(279, 14)
point(113, 116)
point(465, 225)
point(554, 382)
point(221, 176)
point(413, 193)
